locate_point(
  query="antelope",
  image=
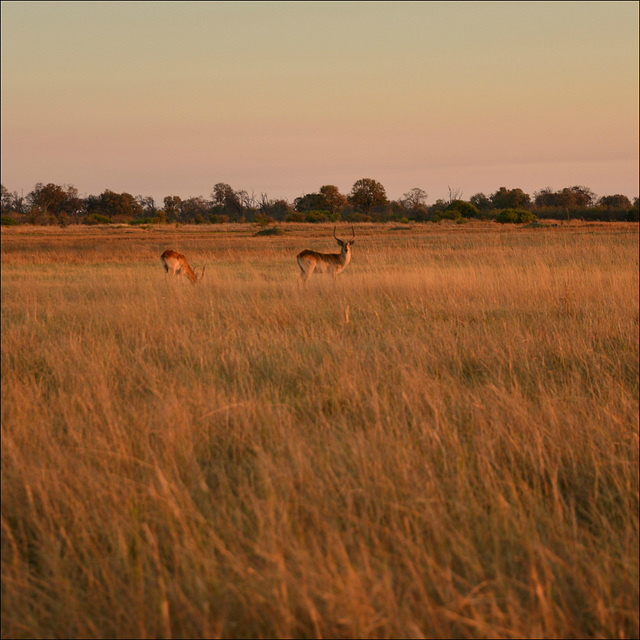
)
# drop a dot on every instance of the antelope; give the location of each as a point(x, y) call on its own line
point(333, 263)
point(174, 262)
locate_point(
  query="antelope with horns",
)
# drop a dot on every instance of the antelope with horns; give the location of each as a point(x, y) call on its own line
point(333, 263)
point(174, 262)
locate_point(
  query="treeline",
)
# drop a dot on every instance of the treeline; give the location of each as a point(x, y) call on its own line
point(56, 204)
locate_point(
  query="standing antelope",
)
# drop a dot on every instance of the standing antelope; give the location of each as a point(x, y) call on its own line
point(333, 263)
point(174, 262)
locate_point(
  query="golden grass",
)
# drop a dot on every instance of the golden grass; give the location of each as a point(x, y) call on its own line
point(443, 444)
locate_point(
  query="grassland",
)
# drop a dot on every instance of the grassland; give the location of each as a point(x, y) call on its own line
point(443, 444)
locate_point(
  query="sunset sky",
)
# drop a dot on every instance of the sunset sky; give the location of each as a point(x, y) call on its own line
point(170, 98)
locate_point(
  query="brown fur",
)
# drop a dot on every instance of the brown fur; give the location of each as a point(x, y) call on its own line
point(174, 262)
point(333, 263)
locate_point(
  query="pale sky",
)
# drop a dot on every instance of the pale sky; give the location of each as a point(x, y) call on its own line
point(170, 98)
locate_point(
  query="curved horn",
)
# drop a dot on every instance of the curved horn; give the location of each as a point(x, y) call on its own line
point(334, 233)
point(353, 232)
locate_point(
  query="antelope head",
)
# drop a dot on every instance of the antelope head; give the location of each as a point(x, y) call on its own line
point(345, 246)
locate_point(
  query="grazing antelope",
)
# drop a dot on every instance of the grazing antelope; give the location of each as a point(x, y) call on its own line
point(333, 263)
point(174, 262)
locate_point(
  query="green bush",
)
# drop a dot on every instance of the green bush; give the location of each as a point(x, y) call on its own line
point(317, 216)
point(464, 208)
point(515, 216)
point(263, 220)
point(96, 218)
point(8, 221)
point(271, 231)
point(151, 220)
point(357, 217)
point(447, 214)
point(312, 216)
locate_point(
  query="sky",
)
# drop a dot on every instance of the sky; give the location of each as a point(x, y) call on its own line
point(281, 98)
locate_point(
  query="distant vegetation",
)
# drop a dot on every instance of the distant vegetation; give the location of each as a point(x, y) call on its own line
point(49, 204)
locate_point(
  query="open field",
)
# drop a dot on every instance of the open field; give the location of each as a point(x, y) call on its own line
point(442, 444)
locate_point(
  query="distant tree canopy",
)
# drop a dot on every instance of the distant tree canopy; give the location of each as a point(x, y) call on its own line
point(510, 199)
point(569, 197)
point(480, 201)
point(117, 207)
point(310, 202)
point(465, 209)
point(336, 202)
point(616, 202)
point(415, 199)
point(367, 201)
point(366, 194)
point(51, 202)
point(226, 199)
point(318, 207)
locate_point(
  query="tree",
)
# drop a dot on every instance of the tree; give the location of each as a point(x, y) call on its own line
point(45, 201)
point(546, 198)
point(438, 206)
point(173, 207)
point(329, 200)
point(194, 210)
point(510, 199)
point(11, 202)
point(311, 202)
point(148, 205)
point(227, 200)
point(5, 199)
point(115, 206)
point(414, 199)
point(515, 216)
point(74, 206)
point(366, 194)
point(463, 208)
point(480, 201)
point(52, 200)
point(578, 196)
point(246, 201)
point(272, 210)
point(335, 201)
point(617, 201)
point(568, 198)
point(455, 193)
point(221, 193)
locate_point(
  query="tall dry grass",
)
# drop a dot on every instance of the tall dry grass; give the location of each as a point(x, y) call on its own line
point(444, 444)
